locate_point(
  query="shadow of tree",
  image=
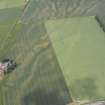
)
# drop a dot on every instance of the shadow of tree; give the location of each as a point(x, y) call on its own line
point(100, 23)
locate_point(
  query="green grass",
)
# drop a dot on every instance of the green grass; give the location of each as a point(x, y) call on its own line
point(11, 3)
point(79, 47)
point(8, 18)
point(9, 15)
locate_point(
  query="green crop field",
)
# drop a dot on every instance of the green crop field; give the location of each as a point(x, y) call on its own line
point(79, 47)
point(11, 3)
point(8, 19)
point(38, 79)
point(37, 74)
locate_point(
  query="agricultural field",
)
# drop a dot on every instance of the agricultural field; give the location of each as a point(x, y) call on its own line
point(37, 74)
point(38, 78)
point(79, 47)
point(11, 3)
point(8, 19)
